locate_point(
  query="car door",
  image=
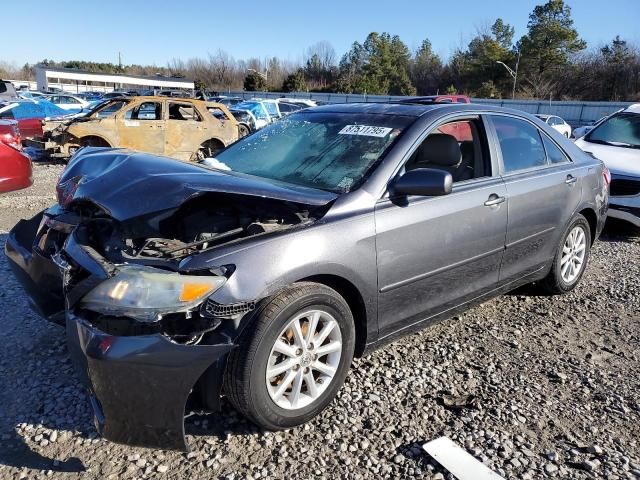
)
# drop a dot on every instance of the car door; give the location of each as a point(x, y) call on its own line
point(435, 253)
point(142, 127)
point(186, 130)
point(542, 194)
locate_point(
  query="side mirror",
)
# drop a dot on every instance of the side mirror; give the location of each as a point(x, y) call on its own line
point(426, 182)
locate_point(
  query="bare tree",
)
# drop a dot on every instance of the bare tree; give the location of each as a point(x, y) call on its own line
point(222, 65)
point(176, 67)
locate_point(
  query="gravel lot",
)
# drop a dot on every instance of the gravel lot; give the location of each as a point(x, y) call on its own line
point(551, 384)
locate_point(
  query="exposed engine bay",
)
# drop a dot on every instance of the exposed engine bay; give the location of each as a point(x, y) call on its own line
point(161, 240)
point(201, 224)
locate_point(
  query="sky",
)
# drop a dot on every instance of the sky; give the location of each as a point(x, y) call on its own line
point(153, 33)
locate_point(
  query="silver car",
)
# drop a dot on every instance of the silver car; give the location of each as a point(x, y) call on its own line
point(261, 273)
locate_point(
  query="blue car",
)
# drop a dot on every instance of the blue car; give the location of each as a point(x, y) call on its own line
point(21, 109)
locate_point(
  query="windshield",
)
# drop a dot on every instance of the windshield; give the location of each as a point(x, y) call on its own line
point(52, 110)
point(271, 108)
point(328, 151)
point(255, 108)
point(620, 130)
point(108, 108)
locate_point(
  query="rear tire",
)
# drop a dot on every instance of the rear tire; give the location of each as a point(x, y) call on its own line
point(301, 391)
point(208, 149)
point(243, 130)
point(571, 258)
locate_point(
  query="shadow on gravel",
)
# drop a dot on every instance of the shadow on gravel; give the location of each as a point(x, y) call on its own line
point(218, 424)
point(16, 393)
point(21, 456)
point(619, 231)
point(615, 231)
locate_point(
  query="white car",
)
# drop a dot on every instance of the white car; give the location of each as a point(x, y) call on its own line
point(32, 95)
point(302, 101)
point(556, 123)
point(616, 141)
point(69, 102)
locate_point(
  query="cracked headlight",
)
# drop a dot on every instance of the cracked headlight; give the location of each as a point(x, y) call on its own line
point(147, 293)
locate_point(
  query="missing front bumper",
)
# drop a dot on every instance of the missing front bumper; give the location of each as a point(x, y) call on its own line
point(139, 385)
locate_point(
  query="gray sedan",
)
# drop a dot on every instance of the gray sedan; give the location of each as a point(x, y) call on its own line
point(259, 274)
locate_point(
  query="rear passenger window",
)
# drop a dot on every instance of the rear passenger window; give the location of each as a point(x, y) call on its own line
point(554, 154)
point(520, 144)
point(183, 111)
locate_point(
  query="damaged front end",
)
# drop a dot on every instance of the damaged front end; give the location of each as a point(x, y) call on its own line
point(56, 141)
point(144, 332)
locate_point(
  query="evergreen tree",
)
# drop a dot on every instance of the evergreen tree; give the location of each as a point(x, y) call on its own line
point(551, 38)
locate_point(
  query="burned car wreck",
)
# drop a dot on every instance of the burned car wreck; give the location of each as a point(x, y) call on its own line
point(259, 274)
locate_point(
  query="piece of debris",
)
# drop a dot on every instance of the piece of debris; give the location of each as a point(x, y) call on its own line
point(458, 402)
point(458, 461)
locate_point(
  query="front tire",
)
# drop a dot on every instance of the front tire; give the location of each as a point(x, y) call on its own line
point(571, 258)
point(92, 141)
point(293, 358)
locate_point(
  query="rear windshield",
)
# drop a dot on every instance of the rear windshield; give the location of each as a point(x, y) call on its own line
point(327, 151)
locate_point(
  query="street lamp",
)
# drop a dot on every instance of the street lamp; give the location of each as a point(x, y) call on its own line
point(513, 73)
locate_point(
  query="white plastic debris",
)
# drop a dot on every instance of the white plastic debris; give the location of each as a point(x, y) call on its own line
point(459, 462)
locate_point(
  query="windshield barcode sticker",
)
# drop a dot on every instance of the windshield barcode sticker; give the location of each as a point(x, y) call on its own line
point(366, 130)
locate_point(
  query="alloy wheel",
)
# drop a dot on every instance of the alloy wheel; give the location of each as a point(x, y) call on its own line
point(573, 254)
point(304, 359)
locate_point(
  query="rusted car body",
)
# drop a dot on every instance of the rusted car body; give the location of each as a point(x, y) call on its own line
point(175, 127)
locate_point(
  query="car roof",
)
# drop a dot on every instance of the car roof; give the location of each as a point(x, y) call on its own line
point(413, 109)
point(407, 109)
point(543, 115)
point(635, 108)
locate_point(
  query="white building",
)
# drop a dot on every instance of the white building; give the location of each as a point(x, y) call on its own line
point(73, 80)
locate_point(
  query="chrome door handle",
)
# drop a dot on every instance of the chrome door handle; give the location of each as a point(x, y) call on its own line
point(570, 180)
point(494, 200)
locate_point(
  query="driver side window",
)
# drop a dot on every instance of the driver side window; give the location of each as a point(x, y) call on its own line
point(458, 147)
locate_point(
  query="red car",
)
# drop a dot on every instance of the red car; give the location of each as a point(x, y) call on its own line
point(438, 99)
point(15, 167)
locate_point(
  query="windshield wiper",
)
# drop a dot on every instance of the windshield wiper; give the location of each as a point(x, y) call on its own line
point(613, 144)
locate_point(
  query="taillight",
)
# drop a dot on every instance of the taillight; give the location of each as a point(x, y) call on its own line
point(12, 139)
point(607, 176)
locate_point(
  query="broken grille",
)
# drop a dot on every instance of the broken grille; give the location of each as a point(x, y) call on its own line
point(216, 309)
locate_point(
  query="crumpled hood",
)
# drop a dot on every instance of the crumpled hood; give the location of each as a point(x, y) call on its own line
point(620, 160)
point(128, 184)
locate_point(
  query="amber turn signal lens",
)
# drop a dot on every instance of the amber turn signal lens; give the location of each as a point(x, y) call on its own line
point(193, 291)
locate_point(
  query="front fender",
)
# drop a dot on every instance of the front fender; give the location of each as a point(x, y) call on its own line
point(343, 248)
